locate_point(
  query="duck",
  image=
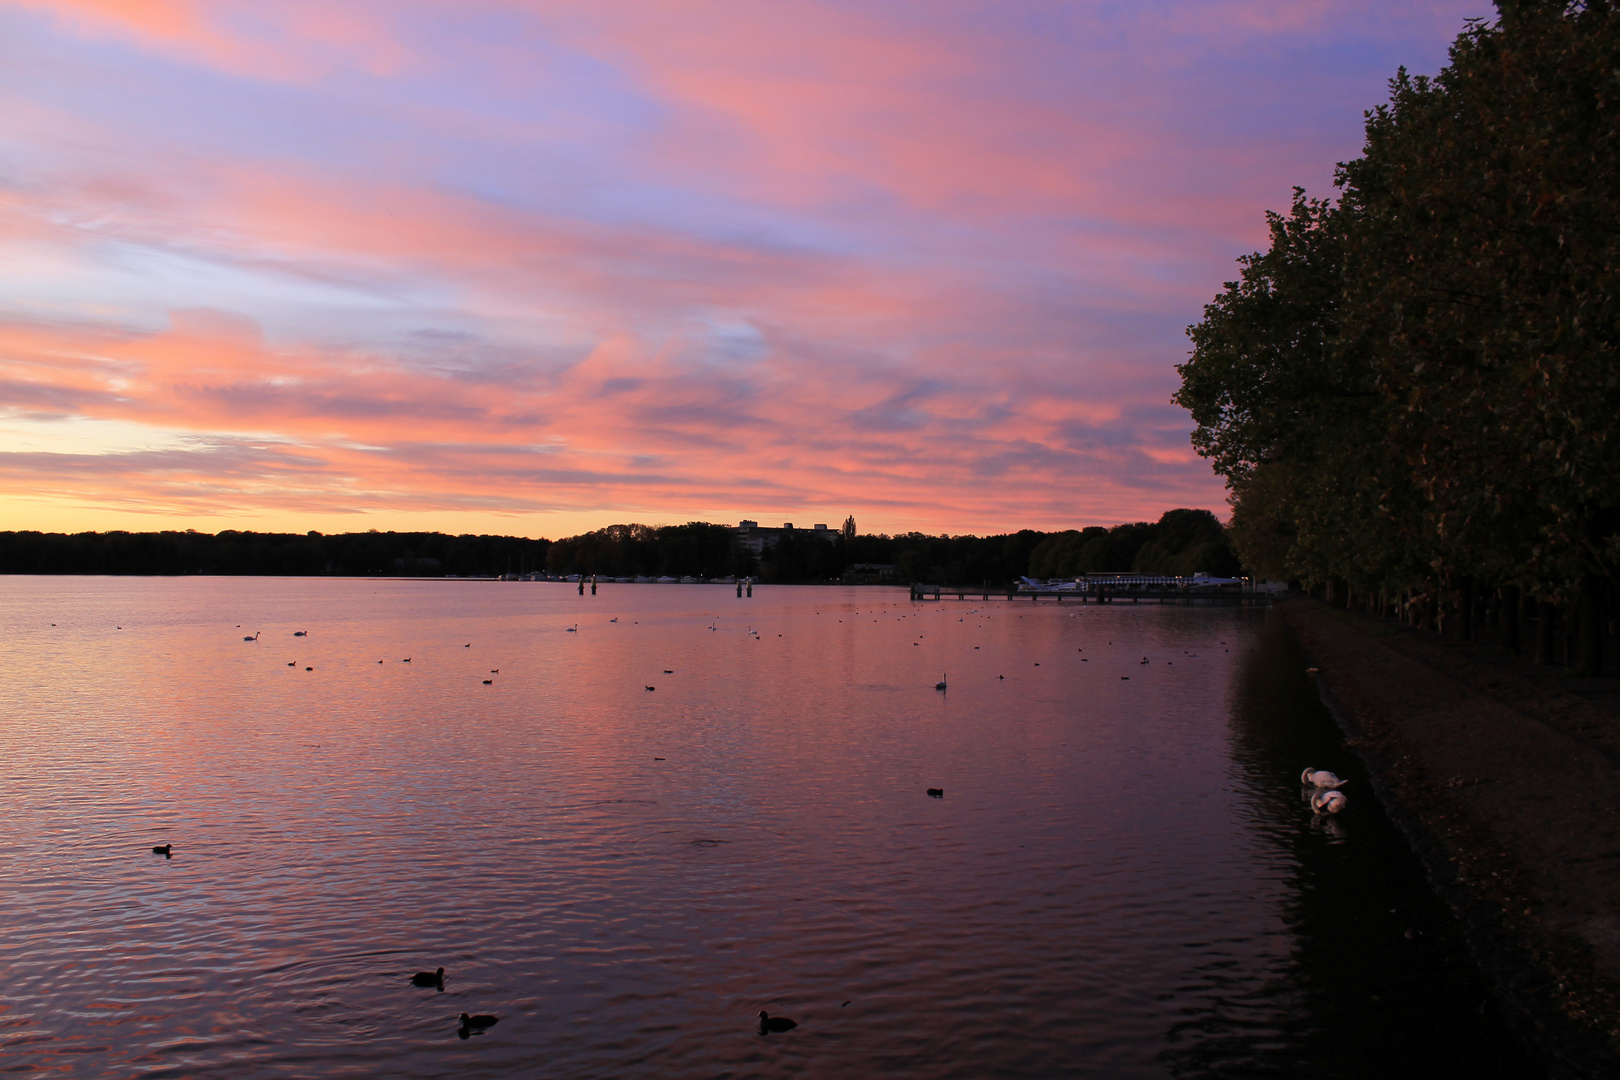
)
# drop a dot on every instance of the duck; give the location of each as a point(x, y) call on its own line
point(429, 978)
point(936, 793)
point(1328, 801)
point(164, 850)
point(769, 1023)
point(300, 633)
point(478, 1023)
point(652, 687)
point(489, 682)
point(1320, 778)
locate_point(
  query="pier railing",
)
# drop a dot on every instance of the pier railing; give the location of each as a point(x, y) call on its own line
point(1100, 593)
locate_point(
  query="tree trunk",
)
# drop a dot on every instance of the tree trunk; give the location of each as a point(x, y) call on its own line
point(1588, 653)
point(1546, 614)
point(1508, 619)
point(1465, 609)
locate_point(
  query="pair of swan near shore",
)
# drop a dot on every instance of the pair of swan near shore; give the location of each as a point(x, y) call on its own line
point(1327, 798)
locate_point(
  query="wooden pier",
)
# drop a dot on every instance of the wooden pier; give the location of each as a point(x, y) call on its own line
point(1102, 594)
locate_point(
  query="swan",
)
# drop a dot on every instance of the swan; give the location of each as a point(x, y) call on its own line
point(769, 1023)
point(1327, 801)
point(429, 978)
point(941, 684)
point(1320, 778)
point(255, 637)
point(474, 1023)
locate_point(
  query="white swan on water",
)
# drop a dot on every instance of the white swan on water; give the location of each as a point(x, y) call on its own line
point(1327, 801)
point(1320, 778)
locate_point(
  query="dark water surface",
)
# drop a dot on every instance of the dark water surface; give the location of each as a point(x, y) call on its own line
point(1122, 879)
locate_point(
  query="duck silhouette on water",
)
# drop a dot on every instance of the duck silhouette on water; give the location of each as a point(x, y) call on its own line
point(769, 1023)
point(164, 851)
point(471, 1024)
point(429, 978)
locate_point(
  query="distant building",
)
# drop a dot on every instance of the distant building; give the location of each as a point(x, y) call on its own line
point(751, 537)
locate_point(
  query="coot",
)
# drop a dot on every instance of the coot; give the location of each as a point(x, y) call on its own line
point(769, 1023)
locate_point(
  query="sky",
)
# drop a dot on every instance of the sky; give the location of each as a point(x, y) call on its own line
point(534, 268)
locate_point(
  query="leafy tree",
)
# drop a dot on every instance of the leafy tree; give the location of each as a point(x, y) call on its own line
point(1416, 386)
point(1483, 276)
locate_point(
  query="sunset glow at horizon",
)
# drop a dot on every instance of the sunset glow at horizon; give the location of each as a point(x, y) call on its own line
point(512, 266)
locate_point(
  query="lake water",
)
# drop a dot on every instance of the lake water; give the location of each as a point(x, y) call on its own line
point(642, 832)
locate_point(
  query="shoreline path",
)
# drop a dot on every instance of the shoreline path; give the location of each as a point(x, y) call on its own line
point(1508, 785)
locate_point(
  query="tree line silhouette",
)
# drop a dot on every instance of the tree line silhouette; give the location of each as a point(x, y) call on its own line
point(1182, 541)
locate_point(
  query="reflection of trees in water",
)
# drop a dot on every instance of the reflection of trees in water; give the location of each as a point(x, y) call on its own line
point(1374, 980)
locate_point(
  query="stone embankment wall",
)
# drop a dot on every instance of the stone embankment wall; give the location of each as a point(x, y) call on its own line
point(1510, 792)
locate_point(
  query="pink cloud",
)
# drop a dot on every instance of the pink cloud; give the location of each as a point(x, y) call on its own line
point(654, 259)
point(621, 429)
point(293, 41)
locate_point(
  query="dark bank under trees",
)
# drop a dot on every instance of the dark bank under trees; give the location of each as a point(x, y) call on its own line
point(1413, 392)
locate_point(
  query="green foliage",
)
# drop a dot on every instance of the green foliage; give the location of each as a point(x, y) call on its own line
point(698, 549)
point(1420, 381)
point(1265, 376)
point(1495, 189)
point(1183, 542)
